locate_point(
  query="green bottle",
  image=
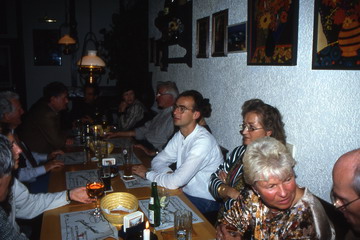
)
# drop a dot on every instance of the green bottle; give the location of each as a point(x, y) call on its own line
point(154, 206)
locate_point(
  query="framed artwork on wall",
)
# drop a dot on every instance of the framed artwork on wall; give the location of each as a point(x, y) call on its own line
point(202, 37)
point(219, 33)
point(47, 51)
point(237, 38)
point(272, 32)
point(336, 43)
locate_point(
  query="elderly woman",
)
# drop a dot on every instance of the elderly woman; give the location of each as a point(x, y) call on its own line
point(274, 207)
point(259, 120)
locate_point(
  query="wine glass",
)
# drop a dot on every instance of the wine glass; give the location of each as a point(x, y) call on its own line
point(164, 198)
point(95, 189)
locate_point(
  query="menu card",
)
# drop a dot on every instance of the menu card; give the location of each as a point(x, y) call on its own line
point(79, 178)
point(83, 225)
point(167, 219)
point(72, 158)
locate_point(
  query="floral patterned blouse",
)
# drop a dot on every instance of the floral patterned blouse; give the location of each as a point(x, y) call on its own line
point(305, 220)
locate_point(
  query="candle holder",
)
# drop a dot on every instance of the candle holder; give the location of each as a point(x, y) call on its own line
point(135, 233)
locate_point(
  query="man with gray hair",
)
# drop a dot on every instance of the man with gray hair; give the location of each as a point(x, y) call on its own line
point(346, 190)
point(156, 132)
point(31, 162)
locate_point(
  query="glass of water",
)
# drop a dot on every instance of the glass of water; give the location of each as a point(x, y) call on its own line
point(183, 224)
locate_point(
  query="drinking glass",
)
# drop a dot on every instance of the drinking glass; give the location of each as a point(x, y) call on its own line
point(127, 155)
point(183, 224)
point(164, 197)
point(95, 189)
point(106, 177)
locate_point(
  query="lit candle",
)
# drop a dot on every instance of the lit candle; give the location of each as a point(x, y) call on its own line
point(146, 233)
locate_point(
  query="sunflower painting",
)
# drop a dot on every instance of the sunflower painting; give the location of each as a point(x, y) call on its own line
point(272, 31)
point(337, 34)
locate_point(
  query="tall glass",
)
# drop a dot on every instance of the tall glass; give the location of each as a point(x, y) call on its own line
point(127, 156)
point(164, 197)
point(183, 224)
point(95, 189)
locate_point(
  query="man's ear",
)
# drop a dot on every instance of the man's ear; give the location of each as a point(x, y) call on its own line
point(196, 115)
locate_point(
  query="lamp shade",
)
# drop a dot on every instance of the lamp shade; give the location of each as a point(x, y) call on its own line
point(66, 40)
point(91, 60)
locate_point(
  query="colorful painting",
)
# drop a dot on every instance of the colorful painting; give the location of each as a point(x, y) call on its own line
point(272, 32)
point(336, 34)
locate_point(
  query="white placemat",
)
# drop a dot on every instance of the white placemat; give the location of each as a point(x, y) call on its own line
point(138, 182)
point(79, 178)
point(167, 220)
point(83, 225)
point(72, 158)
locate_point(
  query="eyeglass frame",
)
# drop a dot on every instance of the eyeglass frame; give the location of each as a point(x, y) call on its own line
point(181, 108)
point(158, 94)
point(335, 201)
point(250, 128)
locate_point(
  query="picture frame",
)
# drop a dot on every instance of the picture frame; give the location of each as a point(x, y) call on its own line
point(202, 37)
point(237, 38)
point(336, 35)
point(47, 51)
point(5, 66)
point(272, 32)
point(219, 33)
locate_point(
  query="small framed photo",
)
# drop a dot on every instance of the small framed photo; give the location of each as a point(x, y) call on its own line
point(108, 161)
point(219, 33)
point(202, 37)
point(237, 38)
point(133, 219)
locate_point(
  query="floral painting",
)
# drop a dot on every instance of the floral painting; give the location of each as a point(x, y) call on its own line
point(272, 31)
point(337, 34)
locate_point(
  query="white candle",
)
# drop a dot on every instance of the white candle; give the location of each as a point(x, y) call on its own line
point(146, 232)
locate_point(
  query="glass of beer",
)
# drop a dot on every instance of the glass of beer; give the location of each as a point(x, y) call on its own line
point(127, 156)
point(95, 189)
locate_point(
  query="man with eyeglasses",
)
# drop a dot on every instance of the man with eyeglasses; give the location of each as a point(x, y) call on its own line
point(195, 152)
point(156, 132)
point(346, 190)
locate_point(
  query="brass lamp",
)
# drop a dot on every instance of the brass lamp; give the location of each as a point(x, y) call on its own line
point(91, 66)
point(67, 41)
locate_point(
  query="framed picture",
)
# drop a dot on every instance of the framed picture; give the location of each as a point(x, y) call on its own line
point(237, 38)
point(5, 67)
point(272, 32)
point(47, 52)
point(202, 37)
point(336, 43)
point(219, 33)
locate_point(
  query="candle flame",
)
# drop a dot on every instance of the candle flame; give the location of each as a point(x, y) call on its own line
point(147, 224)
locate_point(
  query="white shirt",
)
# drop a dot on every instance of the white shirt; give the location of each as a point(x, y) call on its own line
point(30, 173)
point(197, 156)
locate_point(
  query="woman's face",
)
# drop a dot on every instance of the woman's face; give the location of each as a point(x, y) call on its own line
point(129, 97)
point(16, 150)
point(252, 120)
point(276, 193)
point(4, 186)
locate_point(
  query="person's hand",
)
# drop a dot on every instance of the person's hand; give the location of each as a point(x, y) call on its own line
point(69, 141)
point(148, 152)
point(222, 176)
point(139, 170)
point(54, 154)
point(122, 106)
point(80, 195)
point(53, 164)
point(109, 135)
point(227, 232)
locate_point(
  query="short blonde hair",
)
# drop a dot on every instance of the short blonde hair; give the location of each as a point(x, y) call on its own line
point(267, 157)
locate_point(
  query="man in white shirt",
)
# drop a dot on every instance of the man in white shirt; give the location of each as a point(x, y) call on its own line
point(193, 149)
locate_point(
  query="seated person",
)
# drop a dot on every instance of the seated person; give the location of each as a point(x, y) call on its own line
point(206, 114)
point(156, 132)
point(24, 205)
point(259, 120)
point(41, 129)
point(130, 112)
point(193, 149)
point(273, 206)
point(87, 108)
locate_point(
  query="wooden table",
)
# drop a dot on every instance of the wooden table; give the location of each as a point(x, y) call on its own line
point(51, 220)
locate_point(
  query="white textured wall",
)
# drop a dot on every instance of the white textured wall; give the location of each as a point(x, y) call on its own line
point(321, 108)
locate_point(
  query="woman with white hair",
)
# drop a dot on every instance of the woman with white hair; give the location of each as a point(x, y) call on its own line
point(274, 206)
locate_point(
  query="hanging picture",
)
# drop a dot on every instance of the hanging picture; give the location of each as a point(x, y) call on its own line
point(47, 51)
point(272, 32)
point(237, 38)
point(336, 43)
point(219, 33)
point(202, 37)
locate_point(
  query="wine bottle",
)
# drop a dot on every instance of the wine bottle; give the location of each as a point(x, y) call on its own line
point(154, 206)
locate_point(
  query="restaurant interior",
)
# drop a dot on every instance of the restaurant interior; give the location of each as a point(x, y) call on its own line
point(319, 103)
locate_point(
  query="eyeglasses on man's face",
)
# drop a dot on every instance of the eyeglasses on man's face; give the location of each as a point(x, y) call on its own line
point(181, 108)
point(248, 127)
point(159, 94)
point(339, 204)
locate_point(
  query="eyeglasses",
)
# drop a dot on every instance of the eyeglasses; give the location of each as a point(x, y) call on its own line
point(182, 109)
point(338, 204)
point(162, 94)
point(249, 127)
